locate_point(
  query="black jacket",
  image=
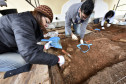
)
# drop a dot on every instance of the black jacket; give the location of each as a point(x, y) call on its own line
point(21, 30)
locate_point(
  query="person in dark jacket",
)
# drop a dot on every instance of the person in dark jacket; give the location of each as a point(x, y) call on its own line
point(20, 32)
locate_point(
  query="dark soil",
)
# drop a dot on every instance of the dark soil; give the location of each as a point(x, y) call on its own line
point(106, 50)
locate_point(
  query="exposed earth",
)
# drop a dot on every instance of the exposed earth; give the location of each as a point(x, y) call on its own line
point(103, 63)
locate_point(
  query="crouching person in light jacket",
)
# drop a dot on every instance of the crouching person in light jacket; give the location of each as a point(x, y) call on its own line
point(109, 17)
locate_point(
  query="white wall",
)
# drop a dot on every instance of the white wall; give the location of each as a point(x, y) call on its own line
point(100, 8)
point(103, 6)
point(65, 7)
point(68, 4)
point(61, 17)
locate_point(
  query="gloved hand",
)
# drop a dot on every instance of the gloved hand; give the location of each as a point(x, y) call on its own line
point(108, 25)
point(61, 60)
point(47, 45)
point(81, 41)
point(39, 43)
point(103, 28)
point(74, 37)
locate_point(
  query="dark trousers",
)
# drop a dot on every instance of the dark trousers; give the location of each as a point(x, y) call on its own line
point(4, 48)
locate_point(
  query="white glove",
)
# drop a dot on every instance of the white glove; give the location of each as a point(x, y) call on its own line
point(108, 25)
point(81, 41)
point(47, 45)
point(103, 27)
point(74, 37)
point(39, 43)
point(61, 60)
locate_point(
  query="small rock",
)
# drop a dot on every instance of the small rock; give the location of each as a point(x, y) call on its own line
point(66, 71)
point(120, 57)
point(70, 49)
point(77, 50)
point(67, 58)
point(50, 51)
point(69, 45)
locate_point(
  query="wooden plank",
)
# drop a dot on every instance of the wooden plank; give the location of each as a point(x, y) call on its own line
point(37, 78)
point(60, 30)
point(55, 29)
point(54, 72)
point(55, 75)
point(37, 75)
point(122, 40)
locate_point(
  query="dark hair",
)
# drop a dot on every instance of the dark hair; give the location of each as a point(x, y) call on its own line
point(38, 16)
point(109, 14)
point(87, 7)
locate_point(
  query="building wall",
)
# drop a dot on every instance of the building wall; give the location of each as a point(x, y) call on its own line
point(59, 7)
point(22, 5)
point(56, 5)
point(111, 4)
point(100, 8)
point(120, 11)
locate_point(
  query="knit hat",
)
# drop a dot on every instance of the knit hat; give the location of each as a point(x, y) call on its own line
point(46, 11)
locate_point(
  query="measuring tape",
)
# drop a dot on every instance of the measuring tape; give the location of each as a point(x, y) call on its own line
point(84, 44)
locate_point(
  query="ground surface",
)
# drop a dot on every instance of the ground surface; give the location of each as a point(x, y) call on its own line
point(106, 51)
point(37, 75)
